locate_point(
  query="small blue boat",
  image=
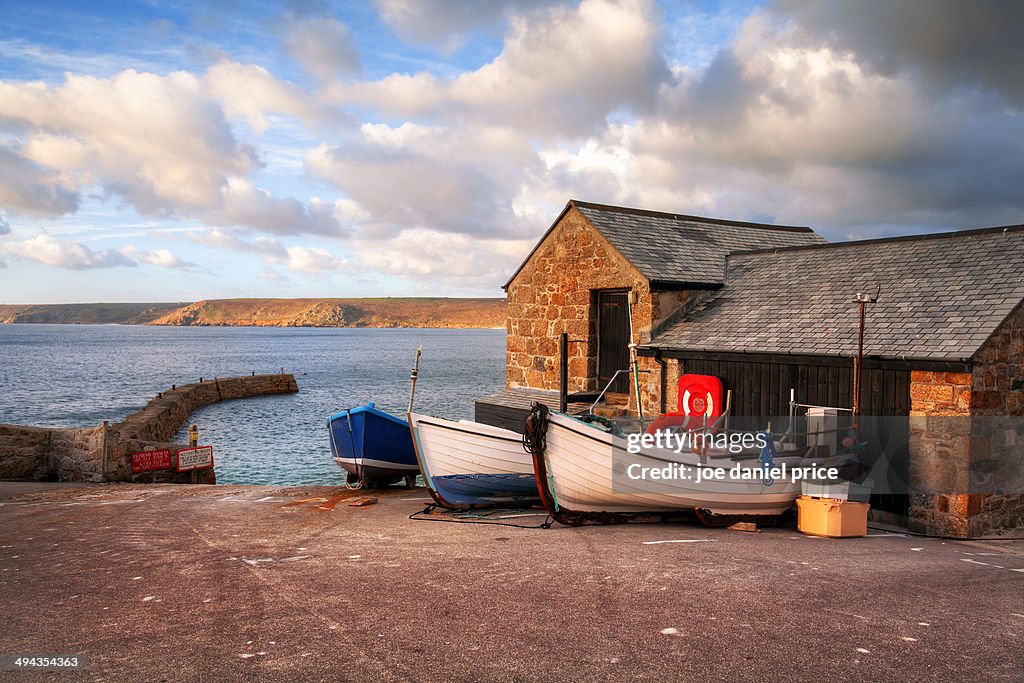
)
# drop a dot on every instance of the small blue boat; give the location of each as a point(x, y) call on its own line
point(372, 447)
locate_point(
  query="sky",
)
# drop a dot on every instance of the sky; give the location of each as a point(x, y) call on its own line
point(177, 151)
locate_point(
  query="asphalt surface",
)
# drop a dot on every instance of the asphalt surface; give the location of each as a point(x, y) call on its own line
point(186, 583)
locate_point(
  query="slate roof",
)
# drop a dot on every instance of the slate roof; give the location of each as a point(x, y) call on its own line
point(676, 250)
point(941, 296)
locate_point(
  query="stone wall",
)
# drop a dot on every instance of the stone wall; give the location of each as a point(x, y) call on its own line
point(40, 454)
point(948, 447)
point(553, 293)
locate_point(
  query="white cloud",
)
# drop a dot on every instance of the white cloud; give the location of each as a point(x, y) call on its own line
point(313, 260)
point(62, 253)
point(297, 258)
point(162, 143)
point(323, 46)
point(158, 257)
point(227, 239)
point(5, 227)
point(155, 140)
point(460, 262)
point(251, 92)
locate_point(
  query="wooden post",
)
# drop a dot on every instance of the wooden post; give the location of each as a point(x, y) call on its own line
point(103, 459)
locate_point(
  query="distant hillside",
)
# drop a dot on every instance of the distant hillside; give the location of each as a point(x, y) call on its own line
point(389, 312)
point(82, 314)
point(398, 312)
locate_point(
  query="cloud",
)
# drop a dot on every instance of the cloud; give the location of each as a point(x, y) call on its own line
point(155, 140)
point(61, 253)
point(420, 176)
point(461, 262)
point(949, 43)
point(313, 260)
point(251, 92)
point(162, 143)
point(5, 227)
point(158, 257)
point(297, 258)
point(3, 264)
point(323, 46)
point(29, 188)
point(246, 205)
point(224, 239)
point(444, 23)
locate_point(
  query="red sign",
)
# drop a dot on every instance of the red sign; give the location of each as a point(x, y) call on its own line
point(195, 458)
point(147, 461)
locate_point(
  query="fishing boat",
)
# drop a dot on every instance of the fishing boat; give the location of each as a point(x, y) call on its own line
point(372, 447)
point(469, 464)
point(582, 473)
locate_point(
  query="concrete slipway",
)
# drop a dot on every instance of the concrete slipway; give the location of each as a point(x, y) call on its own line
point(174, 583)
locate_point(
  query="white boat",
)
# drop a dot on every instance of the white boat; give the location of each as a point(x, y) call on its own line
point(468, 464)
point(584, 474)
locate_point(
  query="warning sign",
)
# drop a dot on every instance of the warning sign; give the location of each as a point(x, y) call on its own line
point(195, 458)
point(147, 461)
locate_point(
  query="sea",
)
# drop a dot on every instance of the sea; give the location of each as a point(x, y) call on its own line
point(80, 375)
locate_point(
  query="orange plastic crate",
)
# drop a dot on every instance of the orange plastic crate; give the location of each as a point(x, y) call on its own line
point(832, 518)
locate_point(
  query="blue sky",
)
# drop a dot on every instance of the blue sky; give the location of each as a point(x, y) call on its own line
point(175, 151)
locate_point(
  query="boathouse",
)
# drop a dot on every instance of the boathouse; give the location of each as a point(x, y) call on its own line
point(770, 310)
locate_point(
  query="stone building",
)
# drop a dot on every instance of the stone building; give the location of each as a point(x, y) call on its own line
point(770, 310)
point(595, 265)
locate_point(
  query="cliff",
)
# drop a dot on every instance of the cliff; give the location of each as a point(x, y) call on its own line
point(389, 312)
point(86, 314)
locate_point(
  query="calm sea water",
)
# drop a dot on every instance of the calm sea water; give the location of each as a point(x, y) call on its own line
point(80, 375)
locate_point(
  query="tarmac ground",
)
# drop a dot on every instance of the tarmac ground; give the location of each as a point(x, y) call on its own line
point(188, 583)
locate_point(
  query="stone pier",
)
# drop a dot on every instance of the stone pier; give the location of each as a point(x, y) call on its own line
point(103, 453)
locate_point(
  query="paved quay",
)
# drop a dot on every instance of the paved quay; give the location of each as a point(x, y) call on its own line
point(186, 583)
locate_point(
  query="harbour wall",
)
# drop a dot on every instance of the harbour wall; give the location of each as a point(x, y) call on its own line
point(103, 453)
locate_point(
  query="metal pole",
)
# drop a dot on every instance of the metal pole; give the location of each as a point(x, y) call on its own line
point(563, 370)
point(414, 375)
point(858, 364)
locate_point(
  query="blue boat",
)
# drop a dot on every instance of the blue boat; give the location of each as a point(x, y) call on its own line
point(372, 447)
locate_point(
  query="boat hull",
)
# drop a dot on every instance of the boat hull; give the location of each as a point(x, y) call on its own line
point(372, 446)
point(585, 474)
point(471, 464)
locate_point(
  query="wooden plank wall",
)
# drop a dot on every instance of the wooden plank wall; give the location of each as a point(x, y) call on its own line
point(762, 388)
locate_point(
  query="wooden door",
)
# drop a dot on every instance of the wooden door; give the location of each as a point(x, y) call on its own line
point(613, 339)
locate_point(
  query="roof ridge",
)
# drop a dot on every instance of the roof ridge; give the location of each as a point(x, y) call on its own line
point(949, 234)
point(686, 217)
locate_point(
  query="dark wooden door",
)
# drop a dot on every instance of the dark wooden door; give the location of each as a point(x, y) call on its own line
point(612, 339)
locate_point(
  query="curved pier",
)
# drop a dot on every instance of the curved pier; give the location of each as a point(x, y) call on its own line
point(103, 453)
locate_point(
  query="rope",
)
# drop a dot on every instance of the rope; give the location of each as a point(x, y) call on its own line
point(535, 433)
point(472, 517)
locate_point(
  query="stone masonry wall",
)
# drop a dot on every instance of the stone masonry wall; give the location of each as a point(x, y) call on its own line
point(39, 453)
point(943, 449)
point(997, 389)
point(552, 294)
